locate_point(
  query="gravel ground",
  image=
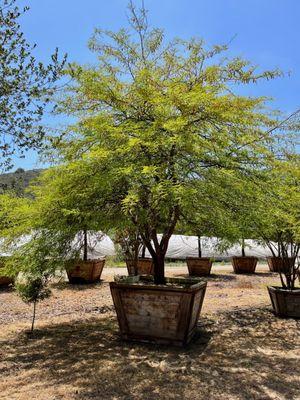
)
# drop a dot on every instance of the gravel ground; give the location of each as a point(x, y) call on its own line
point(242, 350)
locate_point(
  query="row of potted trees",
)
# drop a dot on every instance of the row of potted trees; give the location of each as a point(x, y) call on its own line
point(90, 270)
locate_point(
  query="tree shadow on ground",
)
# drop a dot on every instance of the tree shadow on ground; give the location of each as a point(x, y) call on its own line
point(91, 357)
point(237, 355)
point(63, 285)
point(6, 288)
point(211, 277)
point(267, 274)
point(256, 274)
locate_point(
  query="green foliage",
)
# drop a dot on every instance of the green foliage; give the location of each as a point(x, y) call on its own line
point(33, 290)
point(13, 214)
point(278, 207)
point(25, 86)
point(47, 228)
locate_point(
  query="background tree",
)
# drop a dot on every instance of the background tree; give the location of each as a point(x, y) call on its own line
point(278, 208)
point(268, 211)
point(214, 214)
point(26, 86)
point(130, 243)
point(59, 207)
point(17, 181)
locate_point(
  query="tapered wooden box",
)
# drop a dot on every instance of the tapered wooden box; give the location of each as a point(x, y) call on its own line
point(277, 264)
point(85, 271)
point(145, 266)
point(244, 265)
point(5, 280)
point(286, 303)
point(165, 314)
point(199, 266)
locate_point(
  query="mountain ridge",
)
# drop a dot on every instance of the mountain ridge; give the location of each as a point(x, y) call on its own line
point(18, 180)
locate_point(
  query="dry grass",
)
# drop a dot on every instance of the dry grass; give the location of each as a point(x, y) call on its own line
point(242, 351)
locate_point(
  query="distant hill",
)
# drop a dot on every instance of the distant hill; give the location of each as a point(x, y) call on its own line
point(17, 181)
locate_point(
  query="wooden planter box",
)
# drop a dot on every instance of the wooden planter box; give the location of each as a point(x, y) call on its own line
point(199, 266)
point(85, 271)
point(286, 303)
point(158, 313)
point(244, 265)
point(145, 266)
point(5, 280)
point(276, 263)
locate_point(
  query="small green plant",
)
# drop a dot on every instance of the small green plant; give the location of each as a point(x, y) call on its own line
point(32, 290)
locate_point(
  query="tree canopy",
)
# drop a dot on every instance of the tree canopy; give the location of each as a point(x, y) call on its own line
point(158, 120)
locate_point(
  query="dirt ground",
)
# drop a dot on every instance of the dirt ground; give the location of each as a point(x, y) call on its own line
point(242, 351)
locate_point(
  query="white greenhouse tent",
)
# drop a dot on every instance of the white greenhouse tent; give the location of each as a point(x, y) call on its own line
point(180, 247)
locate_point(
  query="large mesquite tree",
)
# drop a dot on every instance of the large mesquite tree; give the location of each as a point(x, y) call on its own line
point(156, 119)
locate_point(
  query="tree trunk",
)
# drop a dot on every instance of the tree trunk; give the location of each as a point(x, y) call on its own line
point(136, 257)
point(279, 244)
point(159, 269)
point(143, 251)
point(33, 316)
point(270, 247)
point(158, 249)
point(243, 248)
point(199, 247)
point(85, 245)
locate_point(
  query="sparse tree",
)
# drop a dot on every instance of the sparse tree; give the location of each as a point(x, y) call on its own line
point(32, 290)
point(26, 86)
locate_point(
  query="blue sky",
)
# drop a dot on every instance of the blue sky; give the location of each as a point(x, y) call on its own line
point(267, 32)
